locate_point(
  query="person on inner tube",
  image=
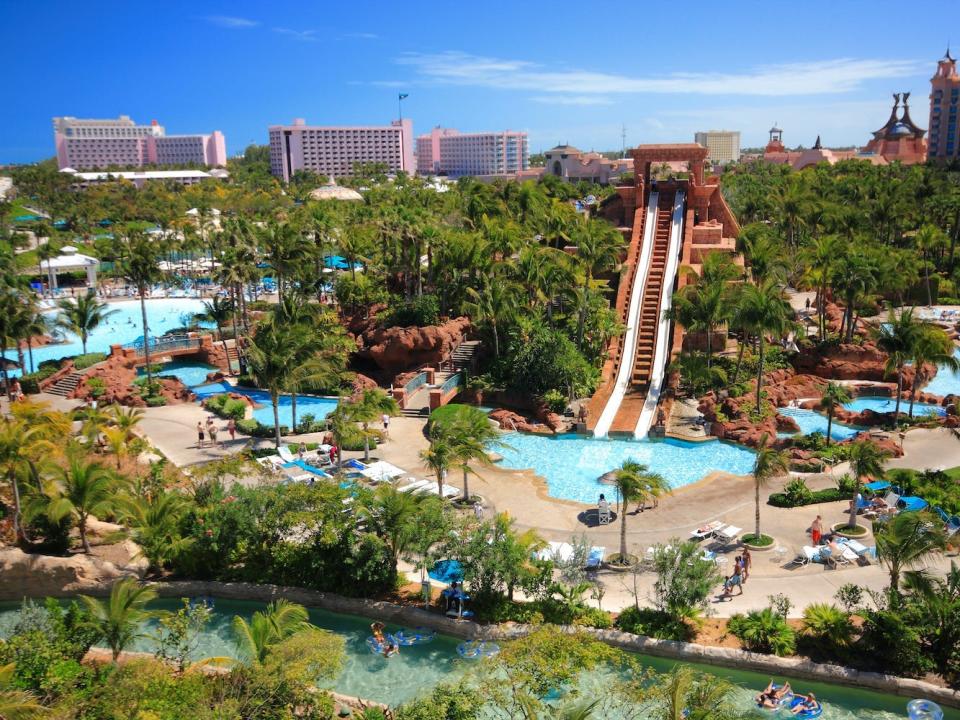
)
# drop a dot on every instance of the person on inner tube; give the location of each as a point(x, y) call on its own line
point(377, 630)
point(391, 648)
point(772, 696)
point(809, 704)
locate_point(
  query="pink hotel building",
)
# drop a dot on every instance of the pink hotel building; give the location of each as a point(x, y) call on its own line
point(84, 144)
point(449, 152)
point(335, 151)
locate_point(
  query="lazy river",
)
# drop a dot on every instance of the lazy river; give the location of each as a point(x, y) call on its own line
point(314, 405)
point(572, 464)
point(417, 669)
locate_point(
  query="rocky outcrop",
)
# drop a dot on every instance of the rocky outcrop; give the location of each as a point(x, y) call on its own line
point(854, 362)
point(27, 575)
point(509, 420)
point(401, 348)
point(362, 382)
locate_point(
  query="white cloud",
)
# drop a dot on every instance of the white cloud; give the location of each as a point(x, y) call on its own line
point(572, 99)
point(801, 78)
point(229, 21)
point(303, 35)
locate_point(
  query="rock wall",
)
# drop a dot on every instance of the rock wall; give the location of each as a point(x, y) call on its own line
point(26, 575)
point(402, 348)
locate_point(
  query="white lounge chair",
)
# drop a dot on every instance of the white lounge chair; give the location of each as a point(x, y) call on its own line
point(728, 534)
point(807, 554)
point(284, 452)
point(705, 531)
point(603, 513)
point(415, 485)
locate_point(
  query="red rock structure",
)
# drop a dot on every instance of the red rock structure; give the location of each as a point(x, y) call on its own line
point(401, 348)
point(899, 140)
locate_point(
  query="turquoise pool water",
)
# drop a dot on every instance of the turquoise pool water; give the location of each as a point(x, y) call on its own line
point(811, 421)
point(319, 407)
point(189, 373)
point(122, 327)
point(888, 405)
point(418, 668)
point(572, 464)
point(946, 382)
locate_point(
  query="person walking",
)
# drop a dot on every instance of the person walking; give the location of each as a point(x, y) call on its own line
point(232, 429)
point(200, 435)
point(213, 433)
point(816, 530)
point(747, 564)
point(386, 426)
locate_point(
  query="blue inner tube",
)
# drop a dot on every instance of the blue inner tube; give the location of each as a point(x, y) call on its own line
point(377, 647)
point(813, 713)
point(477, 650)
point(783, 702)
point(416, 636)
point(924, 710)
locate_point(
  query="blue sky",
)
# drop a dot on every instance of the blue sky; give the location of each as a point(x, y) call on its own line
point(564, 72)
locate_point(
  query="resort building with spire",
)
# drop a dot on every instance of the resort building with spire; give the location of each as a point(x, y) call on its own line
point(944, 99)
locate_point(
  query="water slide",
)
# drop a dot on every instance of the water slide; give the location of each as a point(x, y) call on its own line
point(662, 353)
point(625, 371)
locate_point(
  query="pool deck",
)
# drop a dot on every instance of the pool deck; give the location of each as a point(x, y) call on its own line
point(521, 494)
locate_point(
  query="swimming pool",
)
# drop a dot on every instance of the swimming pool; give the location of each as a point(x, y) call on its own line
point(420, 667)
point(946, 382)
point(888, 405)
point(189, 373)
point(319, 407)
point(811, 421)
point(124, 326)
point(572, 464)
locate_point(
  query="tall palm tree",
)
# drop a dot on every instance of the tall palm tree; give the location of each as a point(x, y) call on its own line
point(34, 323)
point(368, 408)
point(286, 250)
point(928, 240)
point(473, 437)
point(685, 694)
point(79, 490)
point(495, 305)
point(119, 619)
point(125, 418)
point(634, 483)
point(866, 460)
point(141, 269)
point(154, 525)
point(820, 261)
point(700, 308)
point(82, 315)
point(907, 540)
point(768, 464)
point(834, 396)
point(932, 346)
point(898, 338)
point(271, 352)
point(393, 516)
point(439, 455)
point(47, 251)
point(267, 628)
point(220, 311)
point(764, 310)
point(599, 245)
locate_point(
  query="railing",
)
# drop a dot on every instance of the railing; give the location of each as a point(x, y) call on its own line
point(164, 344)
point(451, 383)
point(414, 384)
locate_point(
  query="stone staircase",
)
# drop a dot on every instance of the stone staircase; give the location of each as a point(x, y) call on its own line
point(66, 385)
point(465, 356)
point(418, 404)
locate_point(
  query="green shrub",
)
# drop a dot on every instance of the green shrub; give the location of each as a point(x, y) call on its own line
point(894, 644)
point(82, 362)
point(850, 596)
point(357, 443)
point(155, 401)
point(763, 631)
point(796, 492)
point(846, 484)
point(816, 496)
point(419, 311)
point(828, 626)
point(96, 386)
point(654, 623)
point(30, 382)
point(555, 401)
point(248, 426)
point(226, 407)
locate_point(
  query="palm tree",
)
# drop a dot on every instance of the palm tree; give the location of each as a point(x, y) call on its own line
point(834, 396)
point(118, 620)
point(764, 310)
point(271, 352)
point(117, 442)
point(928, 239)
point(768, 464)
point(866, 460)
point(34, 323)
point(286, 251)
point(684, 694)
point(598, 247)
point(277, 622)
point(17, 704)
point(142, 270)
point(472, 437)
point(154, 525)
point(634, 484)
point(79, 490)
point(495, 304)
point(898, 338)
point(932, 346)
point(907, 540)
point(368, 408)
point(696, 374)
point(125, 418)
point(47, 251)
point(439, 456)
point(82, 315)
point(393, 516)
point(820, 261)
point(220, 311)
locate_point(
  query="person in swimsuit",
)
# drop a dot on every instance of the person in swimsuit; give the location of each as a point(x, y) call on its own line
point(200, 435)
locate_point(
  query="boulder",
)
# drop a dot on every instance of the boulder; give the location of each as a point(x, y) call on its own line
point(27, 575)
point(401, 348)
point(787, 424)
point(362, 382)
point(509, 420)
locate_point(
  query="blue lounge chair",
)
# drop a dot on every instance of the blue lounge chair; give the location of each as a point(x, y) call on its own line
point(941, 513)
point(954, 524)
point(877, 486)
point(912, 503)
point(595, 558)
